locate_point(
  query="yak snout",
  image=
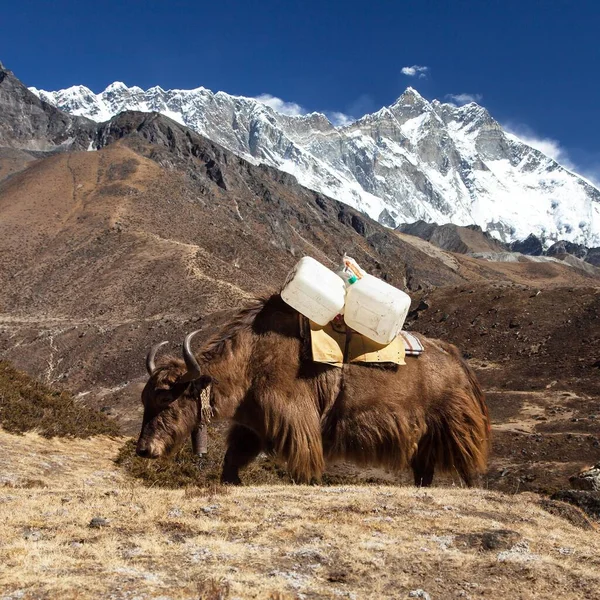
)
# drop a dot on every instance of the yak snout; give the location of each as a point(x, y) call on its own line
point(146, 449)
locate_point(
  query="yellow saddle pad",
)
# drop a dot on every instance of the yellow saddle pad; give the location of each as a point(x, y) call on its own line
point(336, 344)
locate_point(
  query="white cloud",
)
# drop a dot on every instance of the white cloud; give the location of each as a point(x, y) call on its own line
point(416, 70)
point(548, 146)
point(554, 150)
point(292, 109)
point(281, 106)
point(339, 119)
point(461, 99)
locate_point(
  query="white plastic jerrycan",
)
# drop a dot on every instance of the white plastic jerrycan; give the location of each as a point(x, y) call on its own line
point(375, 308)
point(314, 291)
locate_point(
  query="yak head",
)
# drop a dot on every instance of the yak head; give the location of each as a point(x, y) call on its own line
point(171, 400)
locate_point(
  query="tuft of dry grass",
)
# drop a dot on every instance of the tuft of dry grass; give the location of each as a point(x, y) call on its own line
point(28, 405)
point(211, 589)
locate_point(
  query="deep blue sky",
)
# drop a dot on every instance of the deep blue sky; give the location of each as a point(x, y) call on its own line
point(536, 65)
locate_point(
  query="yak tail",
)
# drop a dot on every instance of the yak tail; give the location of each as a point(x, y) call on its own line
point(479, 419)
point(460, 439)
point(476, 389)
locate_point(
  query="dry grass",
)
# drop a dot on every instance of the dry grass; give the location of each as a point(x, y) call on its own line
point(28, 461)
point(186, 469)
point(273, 541)
point(27, 404)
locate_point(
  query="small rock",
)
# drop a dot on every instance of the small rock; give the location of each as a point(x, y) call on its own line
point(210, 509)
point(444, 541)
point(175, 512)
point(518, 553)
point(588, 479)
point(31, 534)
point(419, 593)
point(98, 522)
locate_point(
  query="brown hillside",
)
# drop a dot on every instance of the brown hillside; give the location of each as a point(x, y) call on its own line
point(12, 161)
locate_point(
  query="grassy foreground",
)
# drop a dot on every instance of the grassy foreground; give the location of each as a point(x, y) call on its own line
point(74, 526)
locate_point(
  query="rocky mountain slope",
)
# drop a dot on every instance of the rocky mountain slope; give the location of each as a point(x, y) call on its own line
point(104, 252)
point(30, 124)
point(453, 237)
point(412, 160)
point(473, 241)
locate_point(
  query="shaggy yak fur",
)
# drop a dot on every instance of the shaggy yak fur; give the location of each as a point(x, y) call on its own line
point(430, 414)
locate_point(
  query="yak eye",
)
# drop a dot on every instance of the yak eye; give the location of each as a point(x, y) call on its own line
point(164, 396)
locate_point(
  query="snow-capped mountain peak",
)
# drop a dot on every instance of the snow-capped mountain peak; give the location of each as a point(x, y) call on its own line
point(117, 86)
point(412, 160)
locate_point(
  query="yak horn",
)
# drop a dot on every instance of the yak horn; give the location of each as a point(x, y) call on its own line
point(150, 366)
point(193, 368)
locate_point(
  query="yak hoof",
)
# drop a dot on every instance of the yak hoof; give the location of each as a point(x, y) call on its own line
point(231, 480)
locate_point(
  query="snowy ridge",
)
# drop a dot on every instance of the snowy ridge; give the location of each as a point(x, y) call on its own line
point(412, 160)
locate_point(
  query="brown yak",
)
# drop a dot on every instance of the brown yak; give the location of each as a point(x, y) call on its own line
point(427, 415)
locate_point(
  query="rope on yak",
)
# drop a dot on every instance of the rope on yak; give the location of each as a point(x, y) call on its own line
point(200, 433)
point(206, 409)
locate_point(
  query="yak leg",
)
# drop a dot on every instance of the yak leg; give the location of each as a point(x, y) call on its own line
point(299, 443)
point(423, 474)
point(243, 446)
point(423, 465)
point(466, 475)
